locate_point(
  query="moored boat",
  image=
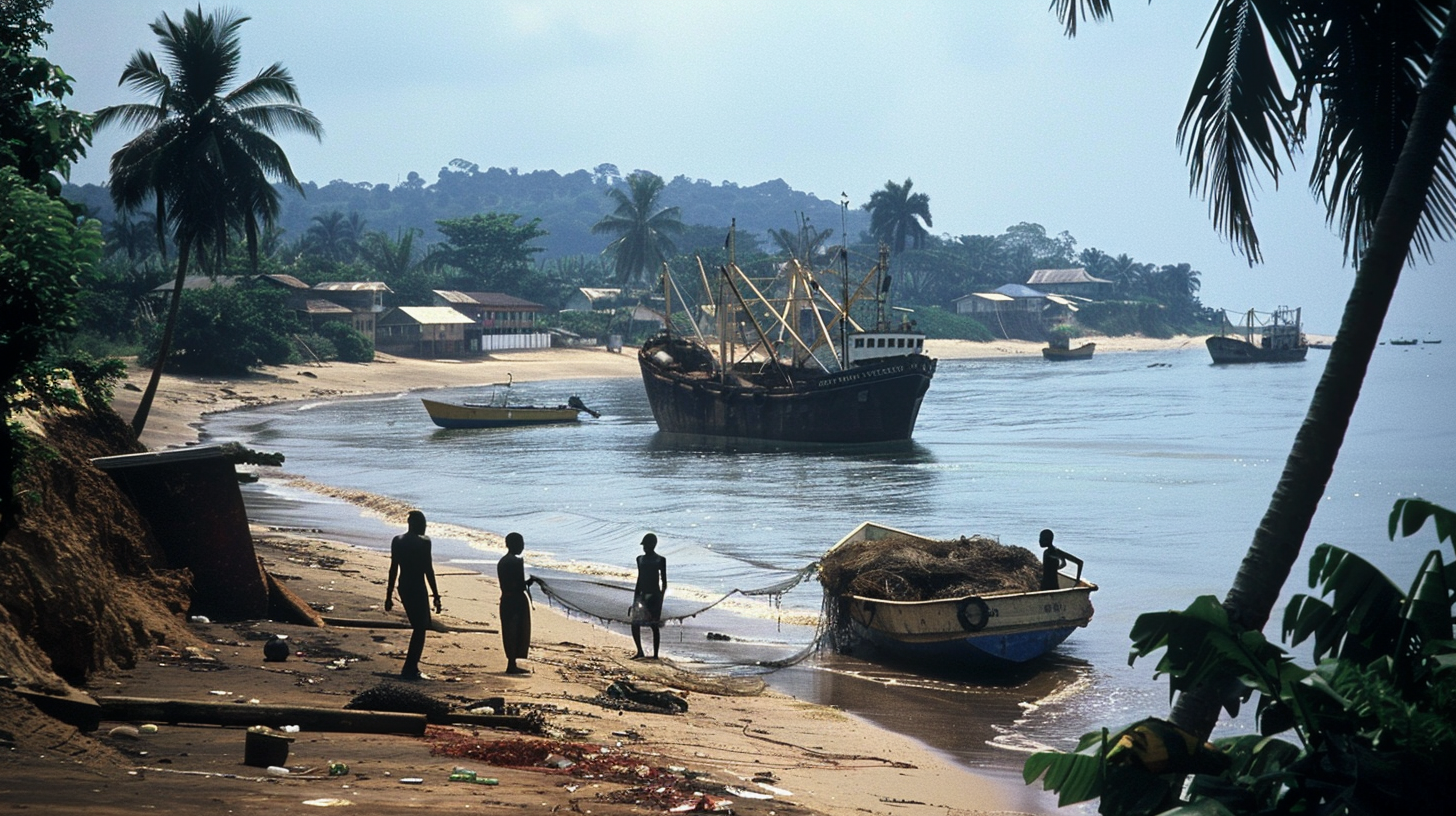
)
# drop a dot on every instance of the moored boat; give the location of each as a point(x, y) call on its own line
point(1060, 351)
point(1260, 338)
point(806, 371)
point(999, 626)
point(498, 412)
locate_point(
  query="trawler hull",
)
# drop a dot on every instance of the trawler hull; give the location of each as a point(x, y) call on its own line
point(876, 401)
point(1234, 350)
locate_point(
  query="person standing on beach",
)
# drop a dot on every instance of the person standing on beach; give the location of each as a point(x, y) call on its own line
point(1052, 560)
point(515, 603)
point(647, 598)
point(410, 564)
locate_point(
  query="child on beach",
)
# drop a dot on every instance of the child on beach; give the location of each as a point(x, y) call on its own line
point(647, 598)
point(515, 603)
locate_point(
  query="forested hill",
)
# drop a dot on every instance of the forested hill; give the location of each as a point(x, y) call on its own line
point(568, 205)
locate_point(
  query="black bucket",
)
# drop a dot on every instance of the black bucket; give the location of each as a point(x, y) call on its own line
point(264, 747)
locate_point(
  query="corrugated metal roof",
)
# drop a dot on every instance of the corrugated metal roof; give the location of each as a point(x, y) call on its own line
point(1059, 299)
point(433, 315)
point(319, 306)
point(996, 296)
point(352, 286)
point(598, 294)
point(501, 300)
point(199, 282)
point(1055, 276)
point(452, 296)
point(1016, 290)
point(287, 280)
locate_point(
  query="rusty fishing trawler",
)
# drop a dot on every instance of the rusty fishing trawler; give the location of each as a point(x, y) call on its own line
point(788, 362)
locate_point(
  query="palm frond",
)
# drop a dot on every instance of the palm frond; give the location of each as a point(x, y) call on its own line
point(1069, 10)
point(1237, 113)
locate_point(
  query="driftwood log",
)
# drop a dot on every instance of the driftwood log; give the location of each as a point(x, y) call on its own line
point(436, 625)
point(308, 718)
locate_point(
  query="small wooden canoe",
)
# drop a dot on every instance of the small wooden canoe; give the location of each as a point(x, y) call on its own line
point(1002, 628)
point(469, 415)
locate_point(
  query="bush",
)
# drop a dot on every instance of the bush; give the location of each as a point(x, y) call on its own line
point(943, 325)
point(351, 345)
point(1119, 318)
point(227, 330)
point(310, 347)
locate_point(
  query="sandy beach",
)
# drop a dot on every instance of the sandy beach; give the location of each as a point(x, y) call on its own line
point(736, 736)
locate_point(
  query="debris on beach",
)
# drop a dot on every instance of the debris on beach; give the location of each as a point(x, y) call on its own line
point(905, 568)
point(401, 700)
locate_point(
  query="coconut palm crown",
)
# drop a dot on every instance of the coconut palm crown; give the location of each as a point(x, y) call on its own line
point(642, 241)
point(204, 157)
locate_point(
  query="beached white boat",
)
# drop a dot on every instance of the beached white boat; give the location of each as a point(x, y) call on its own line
point(993, 628)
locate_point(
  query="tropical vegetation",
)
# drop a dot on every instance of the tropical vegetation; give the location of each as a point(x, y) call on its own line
point(45, 249)
point(1380, 82)
point(640, 226)
point(1369, 728)
point(898, 216)
point(205, 159)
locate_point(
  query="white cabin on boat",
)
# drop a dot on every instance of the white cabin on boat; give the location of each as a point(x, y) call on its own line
point(875, 345)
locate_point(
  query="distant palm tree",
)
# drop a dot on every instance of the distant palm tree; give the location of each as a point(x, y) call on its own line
point(334, 237)
point(898, 217)
point(205, 157)
point(802, 244)
point(391, 258)
point(641, 242)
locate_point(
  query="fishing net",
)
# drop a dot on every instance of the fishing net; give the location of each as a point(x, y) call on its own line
point(909, 568)
point(608, 601)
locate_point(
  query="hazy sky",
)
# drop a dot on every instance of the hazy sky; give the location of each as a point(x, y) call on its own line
point(991, 111)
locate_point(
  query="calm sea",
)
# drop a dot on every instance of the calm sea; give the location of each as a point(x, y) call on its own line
point(1153, 467)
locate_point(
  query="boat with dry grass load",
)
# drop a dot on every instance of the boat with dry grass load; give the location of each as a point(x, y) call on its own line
point(969, 599)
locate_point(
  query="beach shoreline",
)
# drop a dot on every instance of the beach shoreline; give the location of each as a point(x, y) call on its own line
point(183, 403)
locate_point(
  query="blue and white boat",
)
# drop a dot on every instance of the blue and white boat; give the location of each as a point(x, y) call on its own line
point(1005, 627)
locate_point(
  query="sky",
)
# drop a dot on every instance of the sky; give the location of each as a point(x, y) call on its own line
point(987, 106)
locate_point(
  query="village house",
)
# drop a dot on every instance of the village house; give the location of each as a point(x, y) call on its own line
point(1075, 282)
point(501, 322)
point(363, 299)
point(1016, 310)
point(423, 331)
point(587, 299)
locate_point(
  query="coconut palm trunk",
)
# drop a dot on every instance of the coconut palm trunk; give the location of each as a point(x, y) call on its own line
point(144, 407)
point(1311, 461)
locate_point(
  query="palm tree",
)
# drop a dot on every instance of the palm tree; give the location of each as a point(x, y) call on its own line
point(334, 237)
point(1384, 76)
point(640, 228)
point(898, 216)
point(205, 157)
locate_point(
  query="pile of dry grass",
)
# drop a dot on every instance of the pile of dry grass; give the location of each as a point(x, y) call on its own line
point(906, 568)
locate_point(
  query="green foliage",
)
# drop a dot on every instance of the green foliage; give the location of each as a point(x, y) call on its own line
point(1373, 723)
point(350, 345)
point(229, 329)
point(899, 217)
point(489, 251)
point(641, 228)
point(314, 347)
point(39, 135)
point(946, 325)
point(1115, 318)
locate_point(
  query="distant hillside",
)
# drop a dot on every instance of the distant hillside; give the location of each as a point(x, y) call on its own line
point(567, 205)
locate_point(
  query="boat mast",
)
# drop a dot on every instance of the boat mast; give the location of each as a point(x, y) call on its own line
point(723, 307)
point(844, 276)
point(666, 301)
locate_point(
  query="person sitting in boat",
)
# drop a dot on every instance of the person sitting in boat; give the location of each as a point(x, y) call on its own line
point(1052, 561)
point(647, 598)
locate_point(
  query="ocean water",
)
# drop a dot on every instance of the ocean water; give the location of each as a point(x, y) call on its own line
point(1154, 468)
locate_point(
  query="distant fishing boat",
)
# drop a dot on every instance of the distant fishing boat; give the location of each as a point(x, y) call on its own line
point(1403, 341)
point(1059, 349)
point(987, 628)
point(1260, 338)
point(497, 412)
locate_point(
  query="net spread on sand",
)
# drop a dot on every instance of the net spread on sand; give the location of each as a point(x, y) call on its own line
point(910, 568)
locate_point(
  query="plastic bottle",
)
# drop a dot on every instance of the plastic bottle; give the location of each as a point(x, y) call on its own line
point(277, 770)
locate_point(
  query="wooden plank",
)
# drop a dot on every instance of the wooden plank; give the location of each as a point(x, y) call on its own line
point(307, 718)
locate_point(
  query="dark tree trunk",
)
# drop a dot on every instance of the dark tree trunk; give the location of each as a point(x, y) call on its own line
point(1280, 535)
point(139, 421)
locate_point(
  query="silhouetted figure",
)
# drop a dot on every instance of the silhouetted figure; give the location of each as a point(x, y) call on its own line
point(1052, 560)
point(647, 599)
point(409, 562)
point(515, 603)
